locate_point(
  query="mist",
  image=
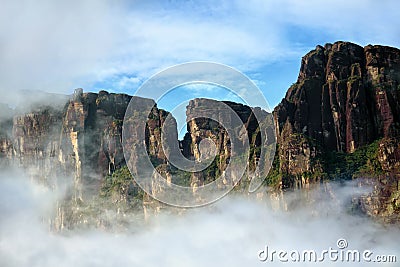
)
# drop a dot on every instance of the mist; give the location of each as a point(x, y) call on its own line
point(230, 232)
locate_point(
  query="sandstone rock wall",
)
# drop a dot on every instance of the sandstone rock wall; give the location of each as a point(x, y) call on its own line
point(345, 97)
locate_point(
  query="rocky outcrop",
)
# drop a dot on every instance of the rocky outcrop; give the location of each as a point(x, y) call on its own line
point(202, 127)
point(345, 97)
point(36, 140)
point(91, 138)
point(345, 100)
point(76, 145)
point(384, 201)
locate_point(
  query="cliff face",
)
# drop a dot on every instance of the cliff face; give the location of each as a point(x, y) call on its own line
point(35, 143)
point(345, 97)
point(81, 139)
point(201, 128)
point(77, 145)
point(90, 138)
point(344, 108)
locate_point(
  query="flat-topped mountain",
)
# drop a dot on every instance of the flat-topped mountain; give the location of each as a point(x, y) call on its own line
point(339, 120)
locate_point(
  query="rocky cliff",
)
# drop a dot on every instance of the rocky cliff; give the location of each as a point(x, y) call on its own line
point(201, 128)
point(345, 97)
point(338, 121)
point(343, 114)
point(76, 145)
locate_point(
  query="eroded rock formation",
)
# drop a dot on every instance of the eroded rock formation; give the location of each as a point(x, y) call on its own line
point(346, 98)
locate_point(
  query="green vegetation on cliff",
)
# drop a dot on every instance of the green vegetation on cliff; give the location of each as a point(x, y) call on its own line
point(362, 162)
point(121, 185)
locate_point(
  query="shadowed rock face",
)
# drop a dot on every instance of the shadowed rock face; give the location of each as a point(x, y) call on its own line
point(345, 97)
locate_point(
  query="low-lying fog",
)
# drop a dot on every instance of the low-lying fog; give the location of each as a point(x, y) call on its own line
point(231, 232)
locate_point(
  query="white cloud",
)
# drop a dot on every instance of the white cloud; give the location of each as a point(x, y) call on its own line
point(57, 46)
point(228, 233)
point(374, 22)
point(128, 82)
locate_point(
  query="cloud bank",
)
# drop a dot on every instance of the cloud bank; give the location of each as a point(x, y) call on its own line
point(230, 233)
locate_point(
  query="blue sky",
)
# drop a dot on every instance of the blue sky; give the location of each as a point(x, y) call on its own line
point(57, 46)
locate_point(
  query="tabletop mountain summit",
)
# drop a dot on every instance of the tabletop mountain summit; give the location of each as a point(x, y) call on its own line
point(340, 120)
